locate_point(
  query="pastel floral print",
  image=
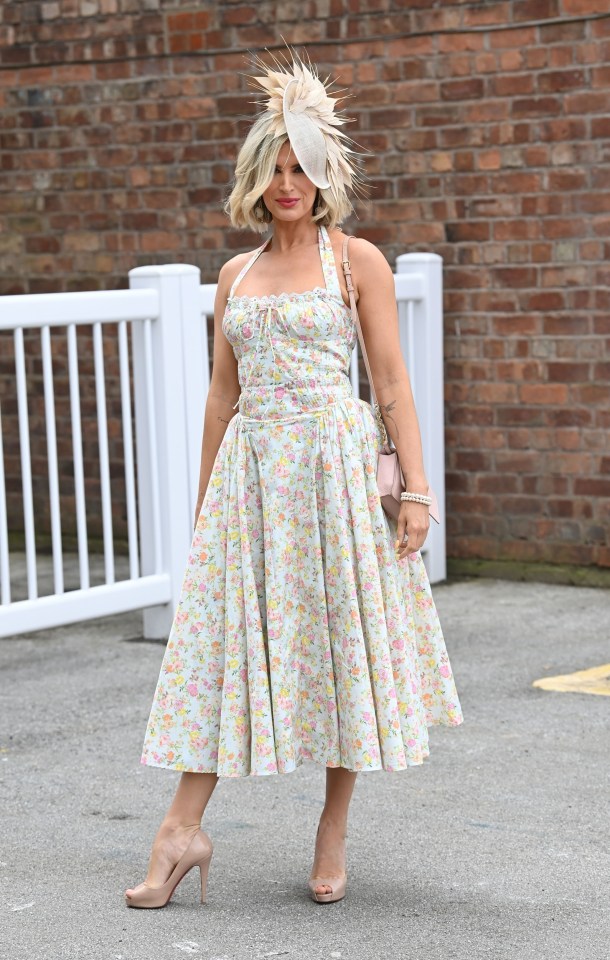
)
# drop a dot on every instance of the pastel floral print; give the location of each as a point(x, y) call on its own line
point(298, 634)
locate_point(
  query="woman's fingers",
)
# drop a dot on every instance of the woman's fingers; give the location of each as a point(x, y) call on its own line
point(401, 529)
point(411, 529)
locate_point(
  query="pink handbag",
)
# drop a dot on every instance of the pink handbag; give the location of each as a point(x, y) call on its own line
point(390, 478)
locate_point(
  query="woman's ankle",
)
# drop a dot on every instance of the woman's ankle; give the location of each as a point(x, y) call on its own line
point(172, 826)
point(334, 822)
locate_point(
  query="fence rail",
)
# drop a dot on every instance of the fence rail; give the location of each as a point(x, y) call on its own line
point(158, 331)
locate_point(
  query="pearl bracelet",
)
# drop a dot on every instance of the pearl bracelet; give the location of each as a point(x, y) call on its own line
point(416, 498)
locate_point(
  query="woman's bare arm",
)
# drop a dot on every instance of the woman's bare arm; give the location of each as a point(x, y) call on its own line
point(224, 386)
point(378, 314)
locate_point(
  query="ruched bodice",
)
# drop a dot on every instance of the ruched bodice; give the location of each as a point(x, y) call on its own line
point(293, 350)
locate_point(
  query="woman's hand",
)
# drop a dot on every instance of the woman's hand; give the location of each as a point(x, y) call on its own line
point(414, 522)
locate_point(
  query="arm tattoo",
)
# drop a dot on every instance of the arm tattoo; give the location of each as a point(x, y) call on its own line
point(387, 409)
point(223, 420)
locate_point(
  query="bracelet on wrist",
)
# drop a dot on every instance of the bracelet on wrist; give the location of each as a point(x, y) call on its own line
point(416, 498)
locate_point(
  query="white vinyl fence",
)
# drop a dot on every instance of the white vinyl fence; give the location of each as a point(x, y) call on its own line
point(158, 331)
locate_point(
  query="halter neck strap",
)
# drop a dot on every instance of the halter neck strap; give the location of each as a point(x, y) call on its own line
point(327, 258)
point(329, 265)
point(242, 273)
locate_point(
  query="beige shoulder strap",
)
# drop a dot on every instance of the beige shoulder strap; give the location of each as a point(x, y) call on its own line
point(352, 300)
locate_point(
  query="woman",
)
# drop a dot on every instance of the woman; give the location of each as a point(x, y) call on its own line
point(302, 632)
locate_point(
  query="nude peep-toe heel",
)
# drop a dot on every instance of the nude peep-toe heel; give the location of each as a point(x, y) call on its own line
point(197, 854)
point(337, 885)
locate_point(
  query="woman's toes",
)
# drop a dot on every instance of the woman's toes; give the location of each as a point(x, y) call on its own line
point(132, 890)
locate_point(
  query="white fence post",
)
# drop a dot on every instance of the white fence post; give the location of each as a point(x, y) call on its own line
point(178, 398)
point(421, 337)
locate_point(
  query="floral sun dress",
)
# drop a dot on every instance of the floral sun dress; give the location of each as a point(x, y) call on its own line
point(298, 633)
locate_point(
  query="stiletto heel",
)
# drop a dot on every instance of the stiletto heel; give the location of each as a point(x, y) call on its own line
point(204, 866)
point(198, 853)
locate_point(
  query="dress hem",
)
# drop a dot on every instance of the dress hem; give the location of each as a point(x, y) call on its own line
point(182, 768)
point(279, 773)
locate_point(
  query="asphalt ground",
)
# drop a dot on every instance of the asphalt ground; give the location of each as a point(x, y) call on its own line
point(496, 847)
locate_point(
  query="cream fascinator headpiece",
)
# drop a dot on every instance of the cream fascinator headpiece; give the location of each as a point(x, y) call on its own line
point(300, 108)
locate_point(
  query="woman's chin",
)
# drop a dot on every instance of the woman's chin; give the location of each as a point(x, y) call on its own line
point(290, 214)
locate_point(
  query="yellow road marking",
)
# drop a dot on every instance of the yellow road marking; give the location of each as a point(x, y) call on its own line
point(596, 680)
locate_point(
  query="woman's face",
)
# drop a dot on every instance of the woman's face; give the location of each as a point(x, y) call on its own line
point(291, 194)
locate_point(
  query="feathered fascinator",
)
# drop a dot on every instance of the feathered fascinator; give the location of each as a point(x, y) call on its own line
point(299, 107)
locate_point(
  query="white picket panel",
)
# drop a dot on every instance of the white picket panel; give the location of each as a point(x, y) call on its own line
point(165, 311)
point(60, 314)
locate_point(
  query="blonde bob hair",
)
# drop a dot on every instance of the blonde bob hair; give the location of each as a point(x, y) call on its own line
point(254, 172)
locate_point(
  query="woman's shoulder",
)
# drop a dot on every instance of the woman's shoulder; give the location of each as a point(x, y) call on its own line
point(231, 268)
point(366, 259)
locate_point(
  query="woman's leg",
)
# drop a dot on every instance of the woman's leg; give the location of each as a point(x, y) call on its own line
point(180, 823)
point(329, 859)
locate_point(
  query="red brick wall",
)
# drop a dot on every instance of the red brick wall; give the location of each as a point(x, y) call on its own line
point(489, 133)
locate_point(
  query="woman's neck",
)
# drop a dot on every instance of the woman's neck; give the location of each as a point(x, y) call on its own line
point(288, 236)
